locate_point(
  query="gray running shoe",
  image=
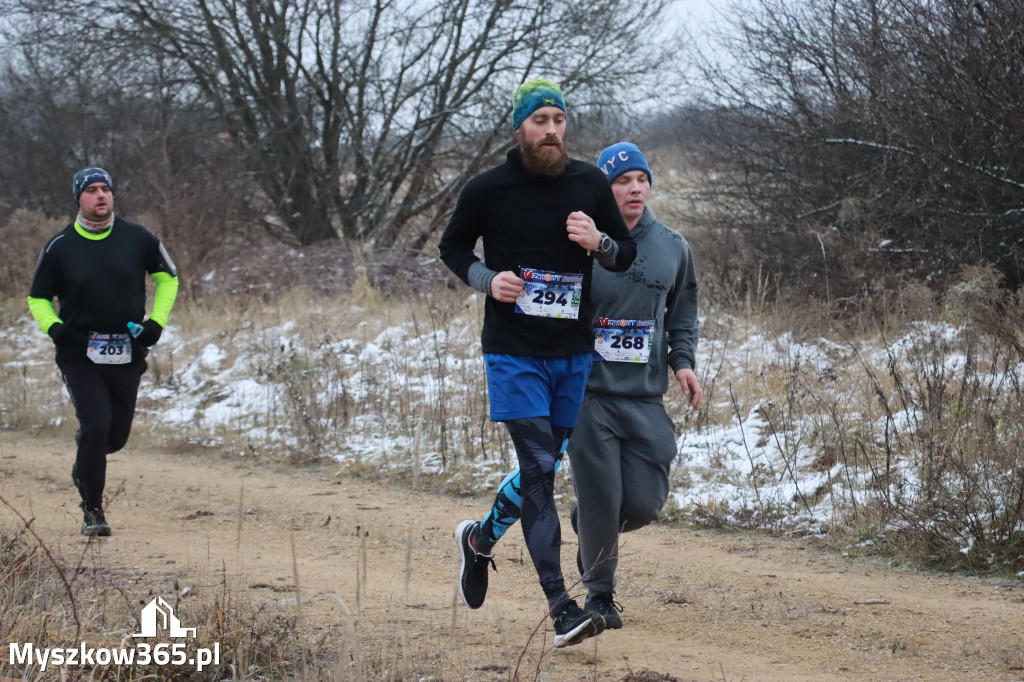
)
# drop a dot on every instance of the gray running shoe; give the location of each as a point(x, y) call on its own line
point(573, 625)
point(473, 574)
point(93, 522)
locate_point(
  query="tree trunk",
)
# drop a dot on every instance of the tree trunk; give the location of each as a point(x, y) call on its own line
point(305, 215)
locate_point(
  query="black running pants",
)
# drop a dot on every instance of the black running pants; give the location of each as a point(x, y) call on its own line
point(104, 399)
point(537, 450)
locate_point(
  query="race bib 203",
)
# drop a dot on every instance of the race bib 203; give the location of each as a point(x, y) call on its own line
point(109, 349)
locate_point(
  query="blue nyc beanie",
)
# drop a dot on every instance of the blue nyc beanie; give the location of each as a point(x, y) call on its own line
point(621, 158)
point(86, 177)
point(531, 96)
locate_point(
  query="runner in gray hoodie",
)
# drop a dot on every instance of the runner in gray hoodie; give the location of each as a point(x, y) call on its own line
point(647, 326)
point(624, 442)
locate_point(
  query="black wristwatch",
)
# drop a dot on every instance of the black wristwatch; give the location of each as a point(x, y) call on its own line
point(605, 245)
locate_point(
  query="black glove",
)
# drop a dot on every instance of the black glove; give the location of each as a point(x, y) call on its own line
point(66, 336)
point(151, 332)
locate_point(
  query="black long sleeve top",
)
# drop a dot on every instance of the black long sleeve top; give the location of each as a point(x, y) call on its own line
point(99, 281)
point(521, 218)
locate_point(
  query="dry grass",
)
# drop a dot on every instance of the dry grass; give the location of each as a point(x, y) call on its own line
point(33, 396)
point(23, 234)
point(262, 631)
point(56, 601)
point(900, 415)
point(390, 384)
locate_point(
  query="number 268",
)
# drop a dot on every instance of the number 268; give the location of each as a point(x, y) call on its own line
point(628, 342)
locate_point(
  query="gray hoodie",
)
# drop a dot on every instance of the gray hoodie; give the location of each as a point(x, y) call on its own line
point(660, 285)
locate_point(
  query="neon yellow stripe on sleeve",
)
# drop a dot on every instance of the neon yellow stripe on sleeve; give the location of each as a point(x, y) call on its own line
point(163, 297)
point(44, 312)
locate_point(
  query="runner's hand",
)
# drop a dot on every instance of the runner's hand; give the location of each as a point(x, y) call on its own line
point(150, 334)
point(690, 384)
point(583, 231)
point(65, 336)
point(506, 287)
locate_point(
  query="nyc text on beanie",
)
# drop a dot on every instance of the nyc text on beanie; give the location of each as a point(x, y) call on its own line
point(621, 158)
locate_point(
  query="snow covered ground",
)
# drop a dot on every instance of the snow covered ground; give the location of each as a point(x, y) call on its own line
point(795, 436)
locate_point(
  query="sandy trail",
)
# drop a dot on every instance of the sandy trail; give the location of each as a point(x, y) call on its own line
point(698, 605)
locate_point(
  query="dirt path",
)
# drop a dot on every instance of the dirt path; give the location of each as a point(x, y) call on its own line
point(698, 605)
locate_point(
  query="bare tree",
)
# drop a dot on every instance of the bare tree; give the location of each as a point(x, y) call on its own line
point(60, 110)
point(856, 137)
point(358, 117)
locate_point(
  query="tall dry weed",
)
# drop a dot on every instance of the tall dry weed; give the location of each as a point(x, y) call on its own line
point(23, 235)
point(101, 607)
point(895, 418)
point(894, 424)
point(386, 383)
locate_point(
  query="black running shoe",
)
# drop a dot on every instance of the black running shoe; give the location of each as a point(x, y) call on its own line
point(574, 520)
point(93, 522)
point(573, 625)
point(607, 608)
point(473, 574)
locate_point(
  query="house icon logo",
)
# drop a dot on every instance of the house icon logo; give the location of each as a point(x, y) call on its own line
point(158, 613)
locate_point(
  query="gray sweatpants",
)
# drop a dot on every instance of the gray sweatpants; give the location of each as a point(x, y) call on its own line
point(621, 452)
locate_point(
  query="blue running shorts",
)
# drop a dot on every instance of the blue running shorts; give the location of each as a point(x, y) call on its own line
point(522, 386)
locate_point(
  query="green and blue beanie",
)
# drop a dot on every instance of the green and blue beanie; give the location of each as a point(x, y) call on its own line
point(531, 96)
point(621, 158)
point(86, 177)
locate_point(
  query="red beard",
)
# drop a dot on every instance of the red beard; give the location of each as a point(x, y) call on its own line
point(539, 159)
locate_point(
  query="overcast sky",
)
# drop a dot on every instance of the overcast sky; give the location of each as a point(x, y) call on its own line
point(698, 11)
point(707, 12)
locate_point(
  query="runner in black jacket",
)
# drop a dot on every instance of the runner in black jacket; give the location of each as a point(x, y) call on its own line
point(543, 218)
point(96, 269)
point(624, 443)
